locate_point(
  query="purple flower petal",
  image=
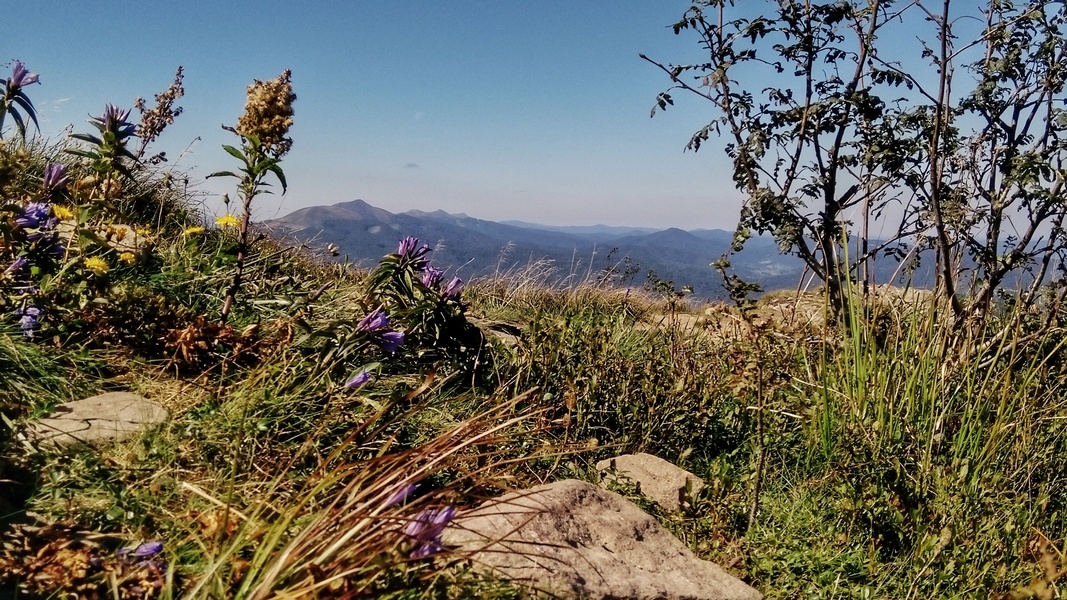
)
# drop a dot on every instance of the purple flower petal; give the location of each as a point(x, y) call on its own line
point(431, 277)
point(426, 549)
point(29, 320)
point(21, 77)
point(402, 494)
point(412, 254)
point(55, 177)
point(34, 214)
point(373, 322)
point(362, 379)
point(427, 528)
point(19, 264)
point(407, 245)
point(390, 341)
point(454, 288)
point(148, 549)
point(114, 121)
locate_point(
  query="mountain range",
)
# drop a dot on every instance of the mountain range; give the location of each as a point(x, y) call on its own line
point(470, 247)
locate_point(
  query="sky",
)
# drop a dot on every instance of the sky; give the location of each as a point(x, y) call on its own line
point(534, 111)
point(502, 110)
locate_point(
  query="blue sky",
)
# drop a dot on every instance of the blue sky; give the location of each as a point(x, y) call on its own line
point(536, 111)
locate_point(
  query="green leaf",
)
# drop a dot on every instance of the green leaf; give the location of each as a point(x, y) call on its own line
point(84, 154)
point(18, 121)
point(277, 170)
point(223, 174)
point(92, 139)
point(234, 152)
point(24, 101)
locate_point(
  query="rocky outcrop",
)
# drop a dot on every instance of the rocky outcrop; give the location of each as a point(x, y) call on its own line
point(658, 480)
point(575, 539)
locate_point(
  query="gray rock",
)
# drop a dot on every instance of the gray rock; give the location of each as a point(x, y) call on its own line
point(573, 538)
point(505, 333)
point(99, 419)
point(120, 238)
point(659, 480)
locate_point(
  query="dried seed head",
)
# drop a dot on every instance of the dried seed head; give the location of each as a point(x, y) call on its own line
point(269, 114)
point(155, 120)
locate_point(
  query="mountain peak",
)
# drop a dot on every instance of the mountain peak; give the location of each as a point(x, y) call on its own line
point(437, 214)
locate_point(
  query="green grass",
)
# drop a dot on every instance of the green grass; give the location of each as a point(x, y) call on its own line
point(892, 471)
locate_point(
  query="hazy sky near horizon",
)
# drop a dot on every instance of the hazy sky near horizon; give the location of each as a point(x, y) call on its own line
point(536, 111)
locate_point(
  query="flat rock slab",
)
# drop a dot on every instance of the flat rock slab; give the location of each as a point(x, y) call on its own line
point(658, 480)
point(575, 539)
point(99, 419)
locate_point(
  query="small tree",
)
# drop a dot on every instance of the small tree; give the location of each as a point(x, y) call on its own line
point(853, 131)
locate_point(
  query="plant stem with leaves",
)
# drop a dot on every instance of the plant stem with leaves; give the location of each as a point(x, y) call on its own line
point(257, 165)
point(263, 129)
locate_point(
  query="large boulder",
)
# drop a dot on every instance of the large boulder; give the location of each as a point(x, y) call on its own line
point(103, 418)
point(572, 538)
point(656, 479)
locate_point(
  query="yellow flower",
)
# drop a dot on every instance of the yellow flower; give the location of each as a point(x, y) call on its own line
point(227, 221)
point(117, 231)
point(62, 212)
point(97, 265)
point(128, 258)
point(143, 231)
point(193, 230)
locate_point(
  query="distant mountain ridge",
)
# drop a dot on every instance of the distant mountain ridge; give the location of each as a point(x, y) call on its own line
point(473, 247)
point(591, 231)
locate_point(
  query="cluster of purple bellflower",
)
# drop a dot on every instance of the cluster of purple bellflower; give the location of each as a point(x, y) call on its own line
point(37, 224)
point(426, 528)
point(37, 220)
point(414, 255)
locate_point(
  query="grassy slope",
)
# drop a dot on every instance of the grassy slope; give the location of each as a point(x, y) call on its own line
point(890, 473)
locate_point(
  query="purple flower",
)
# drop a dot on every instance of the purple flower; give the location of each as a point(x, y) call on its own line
point(375, 321)
point(391, 340)
point(411, 253)
point(20, 77)
point(34, 214)
point(148, 549)
point(55, 177)
point(407, 245)
point(431, 277)
point(114, 120)
point(454, 288)
point(140, 557)
point(362, 379)
point(427, 528)
point(19, 264)
point(30, 319)
point(401, 495)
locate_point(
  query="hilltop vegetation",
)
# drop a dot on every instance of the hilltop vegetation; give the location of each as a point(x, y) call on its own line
point(326, 423)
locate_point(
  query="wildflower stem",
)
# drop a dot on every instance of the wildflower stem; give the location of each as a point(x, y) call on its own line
point(248, 191)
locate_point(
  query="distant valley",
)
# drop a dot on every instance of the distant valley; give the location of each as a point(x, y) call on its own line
point(472, 247)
